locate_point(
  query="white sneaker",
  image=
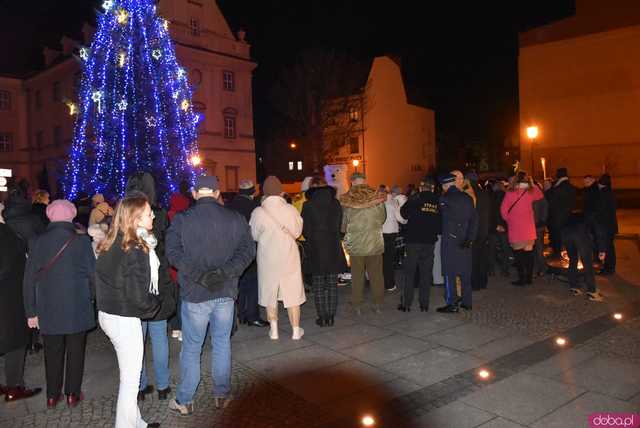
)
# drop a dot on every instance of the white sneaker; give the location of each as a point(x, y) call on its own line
point(180, 336)
point(176, 334)
point(273, 330)
point(298, 332)
point(182, 409)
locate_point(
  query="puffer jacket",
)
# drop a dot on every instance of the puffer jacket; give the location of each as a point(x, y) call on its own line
point(364, 214)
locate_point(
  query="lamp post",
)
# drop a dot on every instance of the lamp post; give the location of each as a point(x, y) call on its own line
point(532, 133)
point(196, 160)
point(356, 162)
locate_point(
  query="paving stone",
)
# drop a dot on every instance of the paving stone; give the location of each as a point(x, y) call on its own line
point(265, 347)
point(455, 415)
point(432, 366)
point(561, 362)
point(426, 325)
point(499, 347)
point(296, 362)
point(523, 398)
point(346, 337)
point(466, 337)
point(388, 349)
point(500, 423)
point(610, 376)
point(576, 413)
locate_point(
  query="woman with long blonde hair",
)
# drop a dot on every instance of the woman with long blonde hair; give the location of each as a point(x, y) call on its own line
point(127, 291)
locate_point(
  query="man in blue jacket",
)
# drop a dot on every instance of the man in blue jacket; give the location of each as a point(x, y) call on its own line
point(211, 246)
point(459, 228)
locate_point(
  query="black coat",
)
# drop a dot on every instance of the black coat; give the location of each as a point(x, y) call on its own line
point(483, 209)
point(424, 224)
point(322, 219)
point(541, 212)
point(459, 224)
point(40, 210)
point(122, 282)
point(62, 297)
point(591, 200)
point(19, 217)
point(607, 212)
point(245, 206)
point(562, 201)
point(208, 237)
point(14, 332)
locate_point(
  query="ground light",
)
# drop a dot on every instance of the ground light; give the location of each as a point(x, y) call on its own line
point(368, 421)
point(484, 374)
point(617, 316)
point(561, 341)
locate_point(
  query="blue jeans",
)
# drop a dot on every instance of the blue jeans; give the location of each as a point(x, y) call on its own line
point(160, 349)
point(217, 313)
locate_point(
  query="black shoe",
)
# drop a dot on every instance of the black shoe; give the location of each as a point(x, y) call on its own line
point(258, 323)
point(163, 393)
point(424, 308)
point(148, 390)
point(153, 425)
point(403, 308)
point(329, 322)
point(35, 348)
point(451, 309)
point(243, 320)
point(439, 285)
point(465, 307)
point(320, 322)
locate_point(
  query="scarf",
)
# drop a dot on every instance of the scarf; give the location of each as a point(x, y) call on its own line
point(154, 261)
point(560, 180)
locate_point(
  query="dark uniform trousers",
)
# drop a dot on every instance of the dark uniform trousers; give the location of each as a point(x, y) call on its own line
point(248, 296)
point(480, 264)
point(583, 250)
point(419, 261)
point(55, 346)
point(389, 260)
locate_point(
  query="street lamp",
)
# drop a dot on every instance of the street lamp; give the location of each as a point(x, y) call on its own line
point(356, 162)
point(293, 146)
point(195, 160)
point(532, 133)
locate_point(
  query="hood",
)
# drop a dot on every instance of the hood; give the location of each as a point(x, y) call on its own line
point(321, 193)
point(178, 202)
point(362, 196)
point(16, 207)
point(142, 182)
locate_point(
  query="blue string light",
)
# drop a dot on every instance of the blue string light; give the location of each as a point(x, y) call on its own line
point(132, 64)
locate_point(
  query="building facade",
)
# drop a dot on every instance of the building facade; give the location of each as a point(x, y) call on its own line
point(395, 142)
point(39, 123)
point(580, 86)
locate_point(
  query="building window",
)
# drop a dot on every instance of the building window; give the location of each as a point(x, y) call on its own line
point(194, 25)
point(229, 127)
point(354, 114)
point(354, 145)
point(299, 165)
point(6, 143)
point(39, 139)
point(57, 97)
point(5, 100)
point(38, 100)
point(57, 136)
point(228, 81)
point(290, 166)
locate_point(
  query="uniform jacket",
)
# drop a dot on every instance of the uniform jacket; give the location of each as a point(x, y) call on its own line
point(424, 223)
point(364, 214)
point(62, 297)
point(459, 225)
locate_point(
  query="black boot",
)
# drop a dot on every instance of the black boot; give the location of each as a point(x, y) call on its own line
point(527, 257)
point(518, 255)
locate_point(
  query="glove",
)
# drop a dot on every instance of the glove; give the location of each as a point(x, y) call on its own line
point(466, 244)
point(213, 280)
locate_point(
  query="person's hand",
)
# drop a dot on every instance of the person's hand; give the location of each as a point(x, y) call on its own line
point(500, 228)
point(602, 256)
point(466, 244)
point(33, 322)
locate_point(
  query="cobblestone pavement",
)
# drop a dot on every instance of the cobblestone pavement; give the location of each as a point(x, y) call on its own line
point(404, 369)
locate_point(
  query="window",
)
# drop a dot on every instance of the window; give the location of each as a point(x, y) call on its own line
point(290, 166)
point(38, 100)
point(229, 127)
point(354, 145)
point(5, 100)
point(354, 114)
point(6, 143)
point(39, 139)
point(194, 25)
point(231, 176)
point(228, 81)
point(57, 97)
point(299, 165)
point(57, 136)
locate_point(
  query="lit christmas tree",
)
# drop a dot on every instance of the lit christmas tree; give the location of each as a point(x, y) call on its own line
point(134, 111)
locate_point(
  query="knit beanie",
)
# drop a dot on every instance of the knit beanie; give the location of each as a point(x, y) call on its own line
point(272, 186)
point(61, 210)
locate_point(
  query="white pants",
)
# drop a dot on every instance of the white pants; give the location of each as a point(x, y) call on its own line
point(126, 335)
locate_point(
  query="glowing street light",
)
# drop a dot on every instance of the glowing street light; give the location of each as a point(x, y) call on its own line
point(196, 160)
point(355, 163)
point(368, 421)
point(532, 133)
point(293, 146)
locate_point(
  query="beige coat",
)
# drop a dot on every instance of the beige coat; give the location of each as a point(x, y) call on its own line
point(279, 270)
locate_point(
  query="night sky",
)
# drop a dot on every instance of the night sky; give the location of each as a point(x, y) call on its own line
point(459, 57)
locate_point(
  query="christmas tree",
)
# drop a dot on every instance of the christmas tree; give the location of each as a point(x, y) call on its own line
point(134, 111)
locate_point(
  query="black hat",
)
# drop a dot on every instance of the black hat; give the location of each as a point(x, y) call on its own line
point(206, 182)
point(447, 178)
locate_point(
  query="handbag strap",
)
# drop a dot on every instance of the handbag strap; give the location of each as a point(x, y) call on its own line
point(55, 258)
point(282, 227)
point(517, 200)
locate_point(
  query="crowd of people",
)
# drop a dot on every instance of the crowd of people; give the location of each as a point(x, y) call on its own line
point(136, 269)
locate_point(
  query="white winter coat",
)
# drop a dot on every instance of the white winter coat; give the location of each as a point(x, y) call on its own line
point(279, 270)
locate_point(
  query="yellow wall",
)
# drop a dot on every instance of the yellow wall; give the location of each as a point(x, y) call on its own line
point(584, 95)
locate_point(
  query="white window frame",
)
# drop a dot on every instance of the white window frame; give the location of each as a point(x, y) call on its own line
point(299, 165)
point(229, 127)
point(6, 142)
point(291, 166)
